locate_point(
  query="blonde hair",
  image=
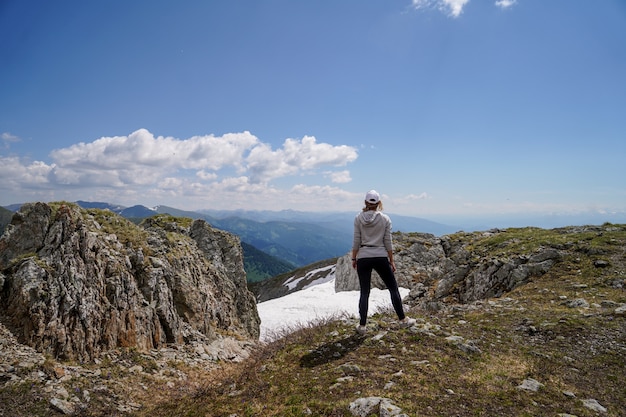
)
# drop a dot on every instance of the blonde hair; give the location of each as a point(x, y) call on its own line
point(373, 206)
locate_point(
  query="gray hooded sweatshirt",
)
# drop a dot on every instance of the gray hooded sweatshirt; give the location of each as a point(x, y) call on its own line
point(372, 234)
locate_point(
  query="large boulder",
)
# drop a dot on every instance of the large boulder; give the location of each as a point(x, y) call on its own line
point(78, 282)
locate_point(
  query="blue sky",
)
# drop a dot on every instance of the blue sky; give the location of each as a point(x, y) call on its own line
point(447, 107)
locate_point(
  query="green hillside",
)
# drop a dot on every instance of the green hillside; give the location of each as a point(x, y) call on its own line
point(260, 266)
point(297, 243)
point(5, 218)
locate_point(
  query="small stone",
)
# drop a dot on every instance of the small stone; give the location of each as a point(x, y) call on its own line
point(454, 339)
point(135, 369)
point(363, 407)
point(59, 372)
point(620, 311)
point(530, 385)
point(600, 263)
point(63, 406)
point(578, 303)
point(388, 409)
point(349, 368)
point(379, 336)
point(594, 405)
point(62, 392)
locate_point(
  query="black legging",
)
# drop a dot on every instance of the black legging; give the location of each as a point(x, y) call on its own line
point(364, 267)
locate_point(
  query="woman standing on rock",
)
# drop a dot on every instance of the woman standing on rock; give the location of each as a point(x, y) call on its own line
point(372, 250)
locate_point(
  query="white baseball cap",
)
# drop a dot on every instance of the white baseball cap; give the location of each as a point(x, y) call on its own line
point(372, 196)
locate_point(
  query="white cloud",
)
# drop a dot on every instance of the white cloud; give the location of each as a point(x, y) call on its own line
point(236, 169)
point(295, 156)
point(16, 173)
point(453, 8)
point(422, 196)
point(141, 158)
point(505, 3)
point(339, 177)
point(8, 137)
point(323, 197)
point(171, 183)
point(141, 148)
point(206, 176)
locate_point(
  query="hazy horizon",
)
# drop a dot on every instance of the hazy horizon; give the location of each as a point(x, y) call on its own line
point(467, 223)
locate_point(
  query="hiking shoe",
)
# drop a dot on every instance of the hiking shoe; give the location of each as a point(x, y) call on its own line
point(406, 322)
point(360, 329)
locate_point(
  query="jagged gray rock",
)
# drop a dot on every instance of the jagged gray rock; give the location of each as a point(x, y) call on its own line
point(349, 279)
point(73, 288)
point(382, 407)
point(63, 406)
point(530, 384)
point(441, 268)
point(594, 405)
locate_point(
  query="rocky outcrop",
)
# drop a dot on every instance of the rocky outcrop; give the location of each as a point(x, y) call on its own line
point(419, 257)
point(77, 282)
point(446, 268)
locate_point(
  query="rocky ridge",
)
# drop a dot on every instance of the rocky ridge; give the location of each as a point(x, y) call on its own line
point(447, 269)
point(87, 285)
point(435, 269)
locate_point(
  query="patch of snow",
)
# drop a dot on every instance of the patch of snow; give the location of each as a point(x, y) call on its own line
point(327, 278)
point(293, 284)
point(314, 303)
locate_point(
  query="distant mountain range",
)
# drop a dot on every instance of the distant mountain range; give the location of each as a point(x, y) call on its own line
point(274, 242)
point(299, 238)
